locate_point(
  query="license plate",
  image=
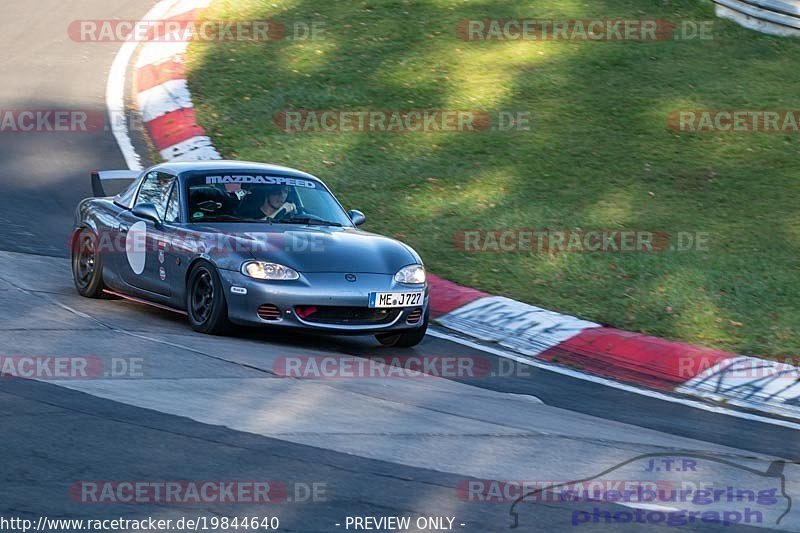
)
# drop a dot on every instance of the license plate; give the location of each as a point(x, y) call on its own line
point(394, 299)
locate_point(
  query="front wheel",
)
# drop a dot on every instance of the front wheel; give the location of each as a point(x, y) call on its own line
point(405, 339)
point(205, 301)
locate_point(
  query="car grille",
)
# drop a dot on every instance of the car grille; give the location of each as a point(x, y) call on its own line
point(347, 316)
point(414, 316)
point(269, 312)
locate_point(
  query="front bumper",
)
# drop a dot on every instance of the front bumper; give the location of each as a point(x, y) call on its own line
point(329, 291)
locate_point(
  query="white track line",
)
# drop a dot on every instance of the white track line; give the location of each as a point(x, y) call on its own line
point(614, 384)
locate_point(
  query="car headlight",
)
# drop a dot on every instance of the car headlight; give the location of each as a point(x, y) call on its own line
point(270, 271)
point(414, 274)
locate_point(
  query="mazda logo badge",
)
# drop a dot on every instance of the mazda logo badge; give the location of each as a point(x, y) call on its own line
point(350, 277)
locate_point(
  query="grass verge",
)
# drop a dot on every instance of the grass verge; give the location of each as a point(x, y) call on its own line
point(598, 154)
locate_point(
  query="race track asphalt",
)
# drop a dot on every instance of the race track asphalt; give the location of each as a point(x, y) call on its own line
point(214, 408)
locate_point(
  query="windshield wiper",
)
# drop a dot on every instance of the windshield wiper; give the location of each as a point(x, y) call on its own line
point(308, 220)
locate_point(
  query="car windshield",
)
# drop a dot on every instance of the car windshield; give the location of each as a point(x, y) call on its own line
point(252, 197)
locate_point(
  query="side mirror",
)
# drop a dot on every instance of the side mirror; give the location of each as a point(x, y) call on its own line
point(357, 217)
point(147, 211)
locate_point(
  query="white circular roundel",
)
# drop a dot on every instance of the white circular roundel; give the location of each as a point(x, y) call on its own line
point(136, 246)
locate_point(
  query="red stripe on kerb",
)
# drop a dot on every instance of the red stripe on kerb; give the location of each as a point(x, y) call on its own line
point(150, 76)
point(634, 358)
point(174, 127)
point(447, 296)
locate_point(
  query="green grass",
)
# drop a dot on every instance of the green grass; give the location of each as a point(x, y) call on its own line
point(598, 156)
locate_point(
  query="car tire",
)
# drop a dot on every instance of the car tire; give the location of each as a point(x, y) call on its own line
point(205, 300)
point(87, 265)
point(405, 339)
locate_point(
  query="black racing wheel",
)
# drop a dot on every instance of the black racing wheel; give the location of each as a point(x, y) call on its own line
point(87, 265)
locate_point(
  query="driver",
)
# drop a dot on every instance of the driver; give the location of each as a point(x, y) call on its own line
point(275, 204)
point(269, 203)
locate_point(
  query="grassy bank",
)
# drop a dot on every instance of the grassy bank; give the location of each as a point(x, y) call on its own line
point(598, 154)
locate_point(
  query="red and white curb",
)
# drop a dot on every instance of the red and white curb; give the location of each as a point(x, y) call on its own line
point(750, 382)
point(165, 104)
point(162, 94)
point(623, 356)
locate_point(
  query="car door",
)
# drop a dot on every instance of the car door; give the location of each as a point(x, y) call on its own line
point(144, 264)
point(169, 242)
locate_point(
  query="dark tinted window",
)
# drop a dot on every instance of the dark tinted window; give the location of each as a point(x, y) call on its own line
point(154, 191)
point(248, 197)
point(173, 206)
point(125, 198)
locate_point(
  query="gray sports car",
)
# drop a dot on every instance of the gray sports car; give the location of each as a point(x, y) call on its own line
point(246, 243)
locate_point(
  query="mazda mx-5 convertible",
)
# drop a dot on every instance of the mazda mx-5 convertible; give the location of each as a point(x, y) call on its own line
point(246, 243)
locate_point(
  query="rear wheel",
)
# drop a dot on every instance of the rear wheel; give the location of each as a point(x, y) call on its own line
point(404, 339)
point(205, 301)
point(87, 265)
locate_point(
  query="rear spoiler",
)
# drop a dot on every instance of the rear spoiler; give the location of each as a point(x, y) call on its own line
point(99, 176)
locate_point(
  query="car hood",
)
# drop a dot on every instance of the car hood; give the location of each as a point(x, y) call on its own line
point(315, 248)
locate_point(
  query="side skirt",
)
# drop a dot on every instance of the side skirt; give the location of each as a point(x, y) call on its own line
point(145, 302)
